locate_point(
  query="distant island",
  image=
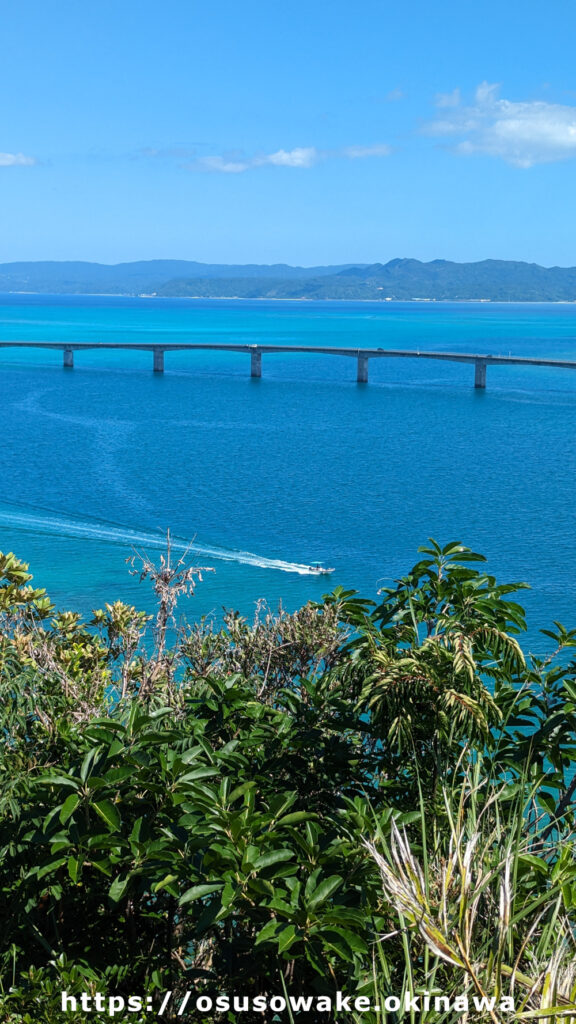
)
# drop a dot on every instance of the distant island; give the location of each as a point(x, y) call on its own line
point(399, 279)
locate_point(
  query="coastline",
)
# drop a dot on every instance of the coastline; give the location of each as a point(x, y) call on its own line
point(308, 298)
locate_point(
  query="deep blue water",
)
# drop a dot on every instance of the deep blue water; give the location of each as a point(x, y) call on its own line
point(303, 465)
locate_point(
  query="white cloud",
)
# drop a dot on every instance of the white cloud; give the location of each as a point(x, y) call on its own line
point(300, 157)
point(521, 133)
point(487, 92)
point(16, 160)
point(448, 99)
point(218, 163)
point(361, 152)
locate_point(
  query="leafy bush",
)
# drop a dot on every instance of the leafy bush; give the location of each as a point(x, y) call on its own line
point(218, 808)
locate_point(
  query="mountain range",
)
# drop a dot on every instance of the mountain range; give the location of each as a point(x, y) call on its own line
point(399, 279)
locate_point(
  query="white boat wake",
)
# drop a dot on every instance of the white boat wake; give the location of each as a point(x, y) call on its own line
point(44, 521)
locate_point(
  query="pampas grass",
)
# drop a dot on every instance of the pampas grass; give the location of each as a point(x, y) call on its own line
point(483, 908)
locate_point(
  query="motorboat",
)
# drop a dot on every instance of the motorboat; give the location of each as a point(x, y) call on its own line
point(319, 570)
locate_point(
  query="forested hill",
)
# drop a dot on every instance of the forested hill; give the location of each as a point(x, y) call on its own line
point(401, 279)
point(143, 276)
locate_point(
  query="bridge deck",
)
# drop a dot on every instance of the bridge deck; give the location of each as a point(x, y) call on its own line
point(370, 353)
point(363, 355)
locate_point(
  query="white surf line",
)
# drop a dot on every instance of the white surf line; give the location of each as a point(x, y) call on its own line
point(54, 524)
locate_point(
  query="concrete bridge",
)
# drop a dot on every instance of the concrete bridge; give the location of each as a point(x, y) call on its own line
point(361, 355)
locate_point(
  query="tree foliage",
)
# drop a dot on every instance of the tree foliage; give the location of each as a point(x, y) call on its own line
point(191, 809)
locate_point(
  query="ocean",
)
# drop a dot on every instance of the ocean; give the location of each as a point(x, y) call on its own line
point(301, 466)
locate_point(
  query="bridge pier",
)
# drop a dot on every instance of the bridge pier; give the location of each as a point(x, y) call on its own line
point(362, 355)
point(362, 375)
point(479, 373)
point(256, 363)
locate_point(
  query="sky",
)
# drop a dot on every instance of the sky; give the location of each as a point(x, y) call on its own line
point(309, 132)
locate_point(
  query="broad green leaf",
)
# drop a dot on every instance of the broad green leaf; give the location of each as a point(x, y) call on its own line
point(46, 869)
point(109, 813)
point(165, 882)
point(324, 891)
point(68, 807)
point(73, 868)
point(118, 889)
point(239, 791)
point(287, 938)
point(265, 860)
point(88, 762)
point(267, 933)
point(197, 891)
point(57, 780)
point(198, 773)
point(295, 816)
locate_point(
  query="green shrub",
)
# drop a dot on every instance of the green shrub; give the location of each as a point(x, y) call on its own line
point(193, 810)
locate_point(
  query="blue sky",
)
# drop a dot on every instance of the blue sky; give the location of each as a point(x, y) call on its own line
point(314, 131)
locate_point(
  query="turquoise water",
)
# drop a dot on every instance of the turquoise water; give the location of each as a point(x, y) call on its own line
point(301, 466)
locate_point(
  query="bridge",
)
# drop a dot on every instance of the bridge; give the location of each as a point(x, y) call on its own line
point(361, 355)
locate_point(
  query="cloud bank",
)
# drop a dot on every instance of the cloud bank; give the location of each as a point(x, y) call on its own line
point(16, 160)
point(301, 157)
point(521, 133)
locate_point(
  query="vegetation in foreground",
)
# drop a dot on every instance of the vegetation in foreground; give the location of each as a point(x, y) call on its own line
point(372, 798)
